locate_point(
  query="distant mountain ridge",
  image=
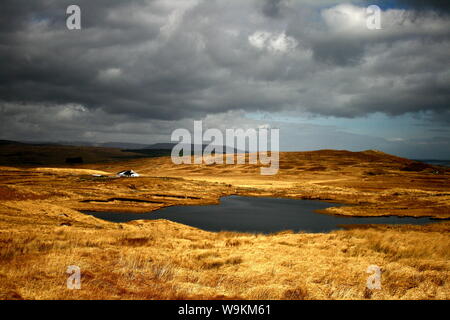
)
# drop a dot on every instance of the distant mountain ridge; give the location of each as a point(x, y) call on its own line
point(163, 149)
point(126, 146)
point(169, 146)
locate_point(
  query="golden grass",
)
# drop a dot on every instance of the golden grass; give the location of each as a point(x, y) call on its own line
point(164, 260)
point(42, 233)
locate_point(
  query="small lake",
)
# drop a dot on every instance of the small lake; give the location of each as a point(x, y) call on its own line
point(258, 215)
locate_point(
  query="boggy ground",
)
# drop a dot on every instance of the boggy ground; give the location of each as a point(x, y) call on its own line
point(42, 231)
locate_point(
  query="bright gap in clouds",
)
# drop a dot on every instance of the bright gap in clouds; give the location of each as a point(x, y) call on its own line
point(378, 125)
point(408, 135)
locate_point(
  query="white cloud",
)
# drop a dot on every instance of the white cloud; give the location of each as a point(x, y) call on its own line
point(272, 41)
point(395, 139)
point(70, 112)
point(345, 17)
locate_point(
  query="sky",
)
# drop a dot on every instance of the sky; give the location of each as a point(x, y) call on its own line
point(139, 69)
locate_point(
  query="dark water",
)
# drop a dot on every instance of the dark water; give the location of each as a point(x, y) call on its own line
point(445, 163)
point(261, 215)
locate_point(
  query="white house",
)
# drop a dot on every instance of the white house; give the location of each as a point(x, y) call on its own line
point(127, 173)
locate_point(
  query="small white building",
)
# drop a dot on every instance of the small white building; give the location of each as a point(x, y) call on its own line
point(128, 174)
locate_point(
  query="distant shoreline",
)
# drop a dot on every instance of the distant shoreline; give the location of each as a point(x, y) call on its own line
point(433, 162)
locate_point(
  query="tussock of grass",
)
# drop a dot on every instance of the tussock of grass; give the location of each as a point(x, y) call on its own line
point(135, 263)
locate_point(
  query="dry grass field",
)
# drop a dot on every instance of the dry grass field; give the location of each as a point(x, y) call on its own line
point(42, 231)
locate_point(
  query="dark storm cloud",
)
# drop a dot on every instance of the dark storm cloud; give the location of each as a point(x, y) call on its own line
point(442, 6)
point(341, 52)
point(272, 8)
point(127, 60)
point(167, 61)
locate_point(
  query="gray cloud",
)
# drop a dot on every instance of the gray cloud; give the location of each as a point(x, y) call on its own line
point(158, 63)
point(272, 8)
